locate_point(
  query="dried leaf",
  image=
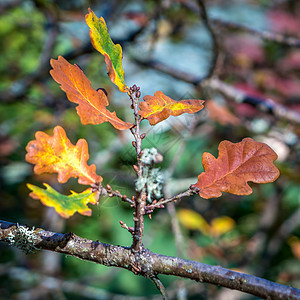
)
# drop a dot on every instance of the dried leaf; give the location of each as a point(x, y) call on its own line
point(221, 225)
point(113, 53)
point(159, 107)
point(236, 165)
point(92, 103)
point(66, 206)
point(221, 114)
point(56, 154)
point(195, 221)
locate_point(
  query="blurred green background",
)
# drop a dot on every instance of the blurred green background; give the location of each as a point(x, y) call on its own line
point(257, 234)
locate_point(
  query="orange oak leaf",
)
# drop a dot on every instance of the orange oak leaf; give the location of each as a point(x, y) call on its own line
point(56, 154)
point(237, 164)
point(159, 107)
point(92, 103)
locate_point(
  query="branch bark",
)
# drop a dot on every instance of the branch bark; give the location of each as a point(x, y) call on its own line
point(151, 264)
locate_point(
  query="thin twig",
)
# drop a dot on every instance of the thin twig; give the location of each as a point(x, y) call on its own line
point(215, 44)
point(112, 193)
point(140, 199)
point(267, 220)
point(286, 228)
point(160, 287)
point(161, 202)
point(266, 35)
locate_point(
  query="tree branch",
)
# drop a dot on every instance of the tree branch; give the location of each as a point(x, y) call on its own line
point(150, 264)
point(266, 35)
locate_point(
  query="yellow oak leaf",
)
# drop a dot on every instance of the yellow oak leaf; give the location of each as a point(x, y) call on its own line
point(56, 154)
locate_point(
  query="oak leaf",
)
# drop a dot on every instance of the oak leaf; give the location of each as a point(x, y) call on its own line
point(92, 103)
point(102, 42)
point(66, 206)
point(221, 114)
point(159, 107)
point(237, 164)
point(56, 154)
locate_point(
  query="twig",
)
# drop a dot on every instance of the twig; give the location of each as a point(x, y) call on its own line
point(266, 35)
point(161, 202)
point(151, 263)
point(140, 199)
point(170, 206)
point(160, 287)
point(268, 218)
point(215, 44)
point(286, 228)
point(112, 193)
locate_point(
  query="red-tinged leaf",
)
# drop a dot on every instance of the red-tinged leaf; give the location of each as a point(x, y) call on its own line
point(221, 114)
point(113, 53)
point(92, 103)
point(66, 206)
point(236, 165)
point(159, 107)
point(56, 154)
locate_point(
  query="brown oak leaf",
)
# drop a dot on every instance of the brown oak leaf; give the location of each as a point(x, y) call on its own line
point(236, 164)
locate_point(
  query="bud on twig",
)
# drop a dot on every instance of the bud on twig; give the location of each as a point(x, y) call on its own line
point(136, 168)
point(134, 144)
point(138, 94)
point(143, 135)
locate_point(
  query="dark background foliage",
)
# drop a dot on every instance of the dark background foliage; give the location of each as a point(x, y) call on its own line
point(257, 234)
